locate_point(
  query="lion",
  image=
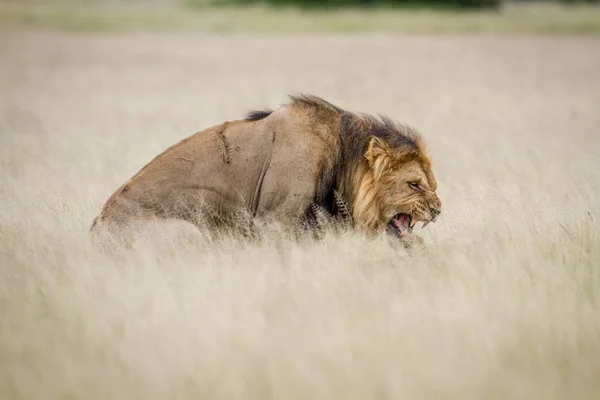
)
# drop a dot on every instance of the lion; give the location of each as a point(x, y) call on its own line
point(279, 165)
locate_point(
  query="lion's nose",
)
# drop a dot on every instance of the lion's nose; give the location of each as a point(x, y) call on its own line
point(434, 213)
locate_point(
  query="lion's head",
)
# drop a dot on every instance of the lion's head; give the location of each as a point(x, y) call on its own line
point(395, 187)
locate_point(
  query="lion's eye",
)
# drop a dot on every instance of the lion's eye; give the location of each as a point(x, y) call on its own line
point(414, 185)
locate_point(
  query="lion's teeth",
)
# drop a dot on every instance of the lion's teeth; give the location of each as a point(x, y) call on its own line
point(425, 224)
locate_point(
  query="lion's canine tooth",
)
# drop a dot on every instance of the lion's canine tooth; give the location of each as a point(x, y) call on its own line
point(425, 223)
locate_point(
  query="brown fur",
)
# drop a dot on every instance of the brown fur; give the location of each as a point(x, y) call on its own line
point(278, 165)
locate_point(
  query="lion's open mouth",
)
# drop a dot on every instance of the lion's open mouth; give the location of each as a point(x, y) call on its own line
point(401, 224)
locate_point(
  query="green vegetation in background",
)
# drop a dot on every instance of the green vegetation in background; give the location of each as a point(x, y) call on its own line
point(413, 4)
point(179, 15)
point(366, 4)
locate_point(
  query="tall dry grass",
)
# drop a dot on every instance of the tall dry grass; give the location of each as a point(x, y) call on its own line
point(503, 302)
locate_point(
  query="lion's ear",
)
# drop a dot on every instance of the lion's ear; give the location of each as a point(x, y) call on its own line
point(377, 148)
point(378, 155)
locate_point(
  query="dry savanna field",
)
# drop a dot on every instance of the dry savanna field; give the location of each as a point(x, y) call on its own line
point(502, 303)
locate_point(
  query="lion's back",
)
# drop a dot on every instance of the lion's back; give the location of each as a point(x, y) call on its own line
point(266, 165)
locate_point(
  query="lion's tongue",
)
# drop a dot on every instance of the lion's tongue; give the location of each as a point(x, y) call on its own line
point(402, 221)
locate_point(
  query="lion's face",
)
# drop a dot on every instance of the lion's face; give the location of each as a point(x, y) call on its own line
point(397, 191)
point(407, 196)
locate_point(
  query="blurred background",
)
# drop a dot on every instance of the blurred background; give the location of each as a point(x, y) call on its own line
point(551, 16)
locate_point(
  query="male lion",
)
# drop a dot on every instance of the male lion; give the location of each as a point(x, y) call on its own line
point(278, 165)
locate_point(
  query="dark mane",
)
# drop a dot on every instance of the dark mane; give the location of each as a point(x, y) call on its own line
point(360, 126)
point(356, 129)
point(258, 115)
point(394, 133)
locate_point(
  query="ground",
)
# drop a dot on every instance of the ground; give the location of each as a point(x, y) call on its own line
point(502, 303)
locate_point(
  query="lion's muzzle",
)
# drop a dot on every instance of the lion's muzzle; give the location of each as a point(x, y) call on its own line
point(434, 212)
